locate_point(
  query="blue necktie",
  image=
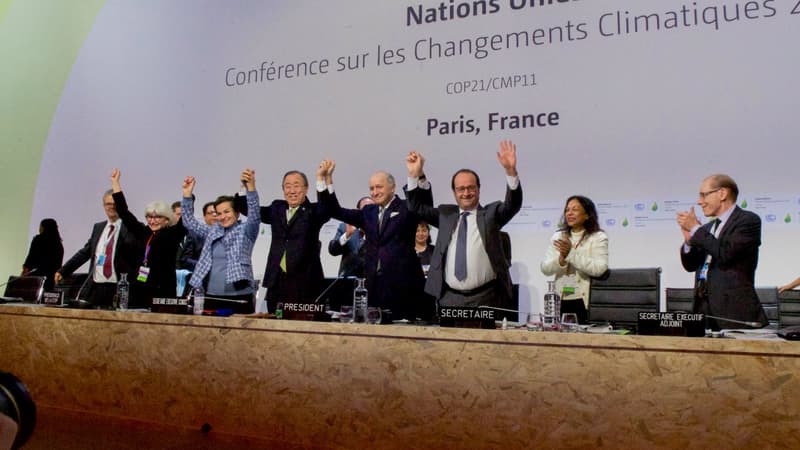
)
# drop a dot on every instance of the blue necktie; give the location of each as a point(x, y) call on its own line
point(461, 248)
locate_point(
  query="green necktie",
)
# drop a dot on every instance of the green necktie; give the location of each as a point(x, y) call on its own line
point(292, 210)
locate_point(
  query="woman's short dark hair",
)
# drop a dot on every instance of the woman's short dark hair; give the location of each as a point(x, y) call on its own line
point(592, 223)
point(428, 226)
point(226, 198)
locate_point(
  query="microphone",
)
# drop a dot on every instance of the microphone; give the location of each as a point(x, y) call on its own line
point(740, 322)
point(83, 285)
point(497, 308)
point(336, 280)
point(220, 299)
point(225, 299)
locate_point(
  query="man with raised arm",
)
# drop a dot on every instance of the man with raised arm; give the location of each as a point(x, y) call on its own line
point(469, 266)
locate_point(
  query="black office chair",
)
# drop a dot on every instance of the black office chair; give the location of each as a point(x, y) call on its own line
point(622, 294)
point(789, 308)
point(680, 299)
point(27, 289)
point(768, 296)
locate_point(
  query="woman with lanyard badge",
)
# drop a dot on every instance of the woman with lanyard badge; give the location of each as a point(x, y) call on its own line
point(578, 252)
point(159, 240)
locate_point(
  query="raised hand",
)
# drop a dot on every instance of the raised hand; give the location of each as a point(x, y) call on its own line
point(507, 156)
point(415, 164)
point(248, 178)
point(188, 186)
point(115, 175)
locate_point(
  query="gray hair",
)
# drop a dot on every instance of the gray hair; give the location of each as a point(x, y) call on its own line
point(160, 209)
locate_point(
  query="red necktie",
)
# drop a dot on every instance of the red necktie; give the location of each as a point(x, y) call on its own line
point(109, 252)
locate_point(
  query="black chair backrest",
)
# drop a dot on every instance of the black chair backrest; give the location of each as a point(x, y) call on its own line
point(680, 299)
point(768, 296)
point(789, 308)
point(624, 293)
point(71, 285)
point(28, 288)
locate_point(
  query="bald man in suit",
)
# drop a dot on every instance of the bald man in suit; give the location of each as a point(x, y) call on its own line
point(393, 273)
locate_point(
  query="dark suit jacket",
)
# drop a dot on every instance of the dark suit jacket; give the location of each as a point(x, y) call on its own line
point(189, 251)
point(299, 239)
point(352, 253)
point(161, 282)
point(399, 282)
point(731, 274)
point(126, 253)
point(490, 219)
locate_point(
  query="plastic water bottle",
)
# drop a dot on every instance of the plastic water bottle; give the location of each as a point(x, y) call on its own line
point(123, 291)
point(360, 302)
point(199, 297)
point(552, 308)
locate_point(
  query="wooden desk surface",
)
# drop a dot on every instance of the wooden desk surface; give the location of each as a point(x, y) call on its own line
point(331, 385)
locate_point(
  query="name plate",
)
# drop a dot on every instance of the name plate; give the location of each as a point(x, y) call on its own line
point(303, 311)
point(53, 298)
point(671, 324)
point(466, 317)
point(171, 305)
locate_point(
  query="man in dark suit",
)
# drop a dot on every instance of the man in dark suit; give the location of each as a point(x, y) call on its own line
point(723, 254)
point(294, 270)
point(393, 272)
point(112, 251)
point(469, 266)
point(349, 243)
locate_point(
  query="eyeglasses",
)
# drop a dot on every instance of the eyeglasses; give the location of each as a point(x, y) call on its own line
point(703, 195)
point(152, 217)
point(464, 189)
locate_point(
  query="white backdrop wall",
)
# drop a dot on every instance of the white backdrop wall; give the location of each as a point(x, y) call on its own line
point(164, 90)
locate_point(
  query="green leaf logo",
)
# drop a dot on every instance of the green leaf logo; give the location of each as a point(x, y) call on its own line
point(788, 218)
point(744, 203)
point(625, 222)
point(654, 208)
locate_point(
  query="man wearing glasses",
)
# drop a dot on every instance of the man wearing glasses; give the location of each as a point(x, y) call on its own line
point(469, 266)
point(723, 253)
point(112, 251)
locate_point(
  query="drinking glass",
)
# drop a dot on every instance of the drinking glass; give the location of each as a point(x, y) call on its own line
point(534, 322)
point(569, 322)
point(346, 314)
point(373, 315)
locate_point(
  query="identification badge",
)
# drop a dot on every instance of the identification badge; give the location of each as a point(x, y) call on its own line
point(568, 284)
point(101, 259)
point(144, 272)
point(703, 272)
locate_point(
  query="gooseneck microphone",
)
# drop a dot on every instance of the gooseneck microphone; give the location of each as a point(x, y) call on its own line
point(336, 280)
point(740, 322)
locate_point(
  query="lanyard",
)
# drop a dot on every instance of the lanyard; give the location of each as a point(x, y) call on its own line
point(147, 249)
